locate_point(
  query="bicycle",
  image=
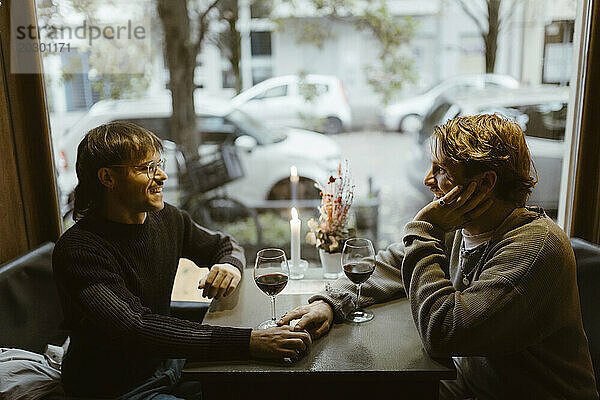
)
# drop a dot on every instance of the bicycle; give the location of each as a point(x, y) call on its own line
point(199, 176)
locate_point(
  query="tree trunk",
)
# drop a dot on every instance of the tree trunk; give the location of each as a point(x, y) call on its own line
point(491, 37)
point(229, 41)
point(181, 61)
point(236, 52)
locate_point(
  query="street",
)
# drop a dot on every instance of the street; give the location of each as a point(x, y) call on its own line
point(383, 156)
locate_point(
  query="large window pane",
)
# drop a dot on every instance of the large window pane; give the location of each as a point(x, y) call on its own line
point(355, 96)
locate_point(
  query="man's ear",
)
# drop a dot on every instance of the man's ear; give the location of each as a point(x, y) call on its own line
point(105, 175)
point(488, 181)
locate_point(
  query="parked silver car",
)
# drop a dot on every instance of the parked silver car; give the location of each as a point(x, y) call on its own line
point(265, 153)
point(406, 115)
point(312, 101)
point(541, 111)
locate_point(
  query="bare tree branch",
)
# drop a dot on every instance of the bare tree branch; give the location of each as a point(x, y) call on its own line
point(208, 9)
point(472, 15)
point(203, 26)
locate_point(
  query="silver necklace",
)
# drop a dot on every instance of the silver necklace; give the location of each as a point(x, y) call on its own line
point(466, 280)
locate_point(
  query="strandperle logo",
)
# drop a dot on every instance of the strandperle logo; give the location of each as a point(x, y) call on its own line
point(86, 32)
point(115, 38)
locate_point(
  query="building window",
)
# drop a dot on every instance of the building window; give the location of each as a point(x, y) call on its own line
point(558, 48)
point(260, 43)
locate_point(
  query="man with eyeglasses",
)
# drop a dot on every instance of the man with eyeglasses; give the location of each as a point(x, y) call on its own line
point(115, 270)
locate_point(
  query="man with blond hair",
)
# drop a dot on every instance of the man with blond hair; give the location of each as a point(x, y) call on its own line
point(490, 282)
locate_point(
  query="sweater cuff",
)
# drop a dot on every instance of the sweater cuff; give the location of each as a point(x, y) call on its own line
point(341, 301)
point(230, 344)
point(233, 261)
point(422, 229)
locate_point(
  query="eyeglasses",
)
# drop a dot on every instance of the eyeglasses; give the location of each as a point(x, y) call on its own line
point(151, 167)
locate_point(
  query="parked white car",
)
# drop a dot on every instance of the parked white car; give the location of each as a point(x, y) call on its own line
point(313, 101)
point(266, 154)
point(541, 111)
point(406, 115)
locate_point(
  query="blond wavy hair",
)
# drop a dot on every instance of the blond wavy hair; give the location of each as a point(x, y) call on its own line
point(487, 142)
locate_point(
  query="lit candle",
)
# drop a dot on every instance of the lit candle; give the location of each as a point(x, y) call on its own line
point(294, 183)
point(295, 224)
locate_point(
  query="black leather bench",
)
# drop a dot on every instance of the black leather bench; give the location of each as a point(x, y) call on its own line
point(588, 279)
point(31, 314)
point(30, 309)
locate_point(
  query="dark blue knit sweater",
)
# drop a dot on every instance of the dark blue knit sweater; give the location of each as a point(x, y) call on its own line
point(115, 282)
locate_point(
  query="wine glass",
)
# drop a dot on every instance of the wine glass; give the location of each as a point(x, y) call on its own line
point(271, 272)
point(358, 262)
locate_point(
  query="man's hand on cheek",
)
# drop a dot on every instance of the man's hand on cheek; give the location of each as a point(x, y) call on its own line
point(456, 209)
point(221, 281)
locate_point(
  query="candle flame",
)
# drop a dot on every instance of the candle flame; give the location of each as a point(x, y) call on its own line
point(294, 213)
point(293, 170)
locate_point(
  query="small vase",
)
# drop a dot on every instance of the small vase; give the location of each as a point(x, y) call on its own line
point(332, 264)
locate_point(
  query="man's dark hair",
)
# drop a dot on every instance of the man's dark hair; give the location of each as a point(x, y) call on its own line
point(109, 144)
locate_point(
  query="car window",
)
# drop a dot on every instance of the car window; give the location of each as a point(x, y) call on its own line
point(249, 126)
point(215, 129)
point(547, 121)
point(277, 91)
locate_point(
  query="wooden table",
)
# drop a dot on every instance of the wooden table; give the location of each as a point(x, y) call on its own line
point(383, 357)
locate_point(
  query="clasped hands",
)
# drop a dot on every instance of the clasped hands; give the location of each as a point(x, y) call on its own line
point(456, 209)
point(315, 318)
point(292, 341)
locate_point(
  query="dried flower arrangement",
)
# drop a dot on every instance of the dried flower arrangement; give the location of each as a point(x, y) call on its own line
point(330, 231)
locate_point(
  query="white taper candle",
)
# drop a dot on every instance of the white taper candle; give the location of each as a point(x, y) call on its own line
point(295, 225)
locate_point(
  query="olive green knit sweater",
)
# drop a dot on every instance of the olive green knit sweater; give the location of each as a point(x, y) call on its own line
point(515, 331)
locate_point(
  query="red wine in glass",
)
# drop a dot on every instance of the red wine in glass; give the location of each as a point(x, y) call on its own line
point(358, 263)
point(359, 271)
point(271, 284)
point(271, 272)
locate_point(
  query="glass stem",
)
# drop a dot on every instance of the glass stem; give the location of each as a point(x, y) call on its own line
point(358, 295)
point(273, 308)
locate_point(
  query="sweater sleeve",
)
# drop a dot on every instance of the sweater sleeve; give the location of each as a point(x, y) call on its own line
point(511, 306)
point(203, 246)
point(90, 280)
point(385, 284)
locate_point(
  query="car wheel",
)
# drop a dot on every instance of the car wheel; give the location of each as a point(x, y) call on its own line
point(332, 125)
point(306, 190)
point(411, 123)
